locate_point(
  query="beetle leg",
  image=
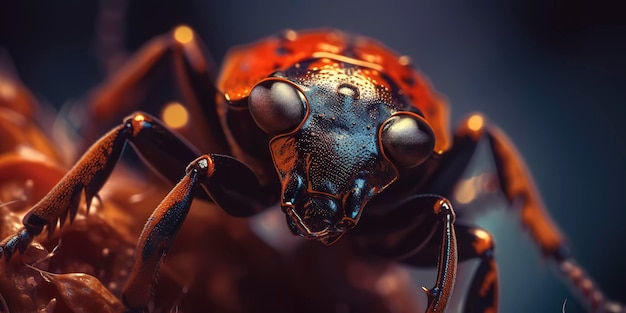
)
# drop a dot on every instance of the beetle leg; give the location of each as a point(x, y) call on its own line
point(519, 189)
point(85, 178)
point(394, 235)
point(472, 243)
point(446, 271)
point(193, 71)
point(515, 180)
point(158, 235)
point(233, 185)
point(517, 184)
point(482, 295)
point(221, 177)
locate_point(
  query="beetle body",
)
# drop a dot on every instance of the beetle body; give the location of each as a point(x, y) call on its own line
point(99, 244)
point(339, 131)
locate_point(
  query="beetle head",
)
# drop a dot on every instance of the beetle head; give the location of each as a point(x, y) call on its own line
point(339, 141)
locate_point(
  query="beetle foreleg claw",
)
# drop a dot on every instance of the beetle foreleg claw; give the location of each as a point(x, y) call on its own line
point(431, 294)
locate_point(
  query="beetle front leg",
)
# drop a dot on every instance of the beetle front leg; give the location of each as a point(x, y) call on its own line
point(473, 243)
point(162, 149)
point(446, 270)
point(84, 179)
point(397, 235)
point(228, 182)
point(158, 235)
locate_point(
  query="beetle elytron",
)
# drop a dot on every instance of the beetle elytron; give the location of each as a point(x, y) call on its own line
point(343, 133)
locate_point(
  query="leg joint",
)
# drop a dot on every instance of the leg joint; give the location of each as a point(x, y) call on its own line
point(204, 165)
point(138, 121)
point(484, 244)
point(443, 206)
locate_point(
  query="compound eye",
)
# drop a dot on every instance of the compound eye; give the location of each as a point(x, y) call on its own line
point(277, 106)
point(407, 139)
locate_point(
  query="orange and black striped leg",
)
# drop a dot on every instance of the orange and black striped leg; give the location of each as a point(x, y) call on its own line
point(158, 235)
point(83, 180)
point(233, 185)
point(229, 183)
point(517, 185)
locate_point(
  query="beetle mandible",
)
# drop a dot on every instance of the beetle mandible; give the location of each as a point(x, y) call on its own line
point(338, 130)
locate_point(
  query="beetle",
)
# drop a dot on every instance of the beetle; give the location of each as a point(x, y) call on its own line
point(340, 131)
point(82, 267)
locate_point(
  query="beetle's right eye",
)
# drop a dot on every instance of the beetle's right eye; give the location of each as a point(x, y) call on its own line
point(277, 106)
point(407, 139)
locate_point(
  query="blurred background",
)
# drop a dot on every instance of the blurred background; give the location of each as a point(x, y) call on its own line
point(550, 73)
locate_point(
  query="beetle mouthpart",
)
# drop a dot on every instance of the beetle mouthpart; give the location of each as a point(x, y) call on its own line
point(332, 238)
point(303, 228)
point(345, 225)
point(326, 236)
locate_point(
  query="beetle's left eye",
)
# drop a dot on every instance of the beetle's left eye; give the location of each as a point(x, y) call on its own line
point(407, 140)
point(277, 106)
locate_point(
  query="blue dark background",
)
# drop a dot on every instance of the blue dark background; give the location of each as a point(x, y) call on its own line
point(550, 73)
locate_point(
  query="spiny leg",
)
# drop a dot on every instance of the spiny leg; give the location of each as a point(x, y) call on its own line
point(85, 178)
point(398, 234)
point(234, 187)
point(519, 189)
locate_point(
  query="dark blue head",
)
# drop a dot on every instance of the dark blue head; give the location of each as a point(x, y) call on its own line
point(341, 136)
